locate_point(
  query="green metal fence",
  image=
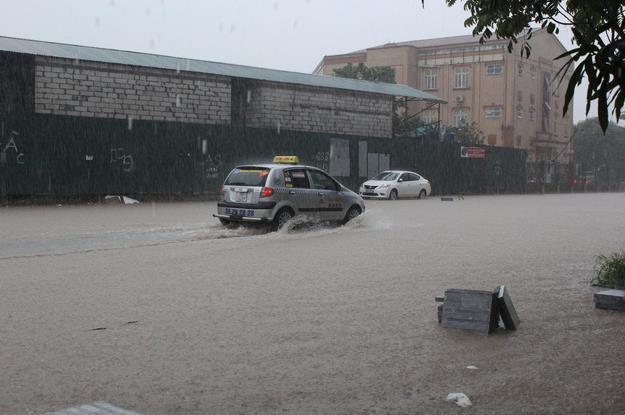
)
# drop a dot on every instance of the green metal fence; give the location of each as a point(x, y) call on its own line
point(502, 170)
point(75, 157)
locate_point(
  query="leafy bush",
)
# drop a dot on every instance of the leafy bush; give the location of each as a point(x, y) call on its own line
point(610, 271)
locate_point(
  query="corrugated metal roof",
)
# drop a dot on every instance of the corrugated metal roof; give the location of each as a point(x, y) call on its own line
point(86, 53)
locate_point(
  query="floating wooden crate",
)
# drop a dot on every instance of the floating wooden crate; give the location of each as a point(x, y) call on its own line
point(506, 309)
point(470, 310)
point(610, 300)
point(476, 310)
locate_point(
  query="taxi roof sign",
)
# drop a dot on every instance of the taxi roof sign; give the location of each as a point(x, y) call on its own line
point(286, 160)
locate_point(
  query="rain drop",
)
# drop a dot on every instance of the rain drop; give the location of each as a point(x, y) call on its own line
point(178, 67)
point(204, 146)
point(278, 127)
point(178, 101)
point(129, 122)
point(249, 96)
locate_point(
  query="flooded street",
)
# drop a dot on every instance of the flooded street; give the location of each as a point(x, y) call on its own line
point(159, 309)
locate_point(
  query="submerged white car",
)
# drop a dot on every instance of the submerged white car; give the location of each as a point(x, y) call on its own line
point(394, 184)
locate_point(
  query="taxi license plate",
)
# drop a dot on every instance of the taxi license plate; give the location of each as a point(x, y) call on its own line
point(239, 212)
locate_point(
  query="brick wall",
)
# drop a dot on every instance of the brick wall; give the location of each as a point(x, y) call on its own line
point(91, 89)
point(103, 90)
point(323, 110)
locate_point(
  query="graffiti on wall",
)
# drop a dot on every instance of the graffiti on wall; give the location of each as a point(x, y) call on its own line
point(322, 160)
point(213, 166)
point(119, 155)
point(9, 151)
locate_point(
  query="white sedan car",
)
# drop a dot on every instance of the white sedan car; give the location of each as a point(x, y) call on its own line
point(394, 184)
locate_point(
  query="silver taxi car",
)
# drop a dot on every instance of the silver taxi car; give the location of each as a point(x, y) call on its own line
point(274, 193)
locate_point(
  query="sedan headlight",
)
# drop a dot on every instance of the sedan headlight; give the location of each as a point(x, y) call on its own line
point(383, 186)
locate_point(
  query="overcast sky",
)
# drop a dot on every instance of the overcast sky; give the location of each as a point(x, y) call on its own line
point(280, 34)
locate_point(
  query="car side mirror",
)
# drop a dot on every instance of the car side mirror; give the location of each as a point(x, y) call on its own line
point(400, 180)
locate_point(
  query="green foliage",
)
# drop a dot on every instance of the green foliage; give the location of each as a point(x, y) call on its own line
point(467, 134)
point(601, 153)
point(610, 271)
point(362, 71)
point(598, 28)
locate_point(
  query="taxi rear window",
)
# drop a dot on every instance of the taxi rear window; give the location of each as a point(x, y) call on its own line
point(248, 176)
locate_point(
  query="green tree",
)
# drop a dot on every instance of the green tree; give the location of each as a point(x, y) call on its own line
point(364, 72)
point(467, 134)
point(600, 154)
point(598, 28)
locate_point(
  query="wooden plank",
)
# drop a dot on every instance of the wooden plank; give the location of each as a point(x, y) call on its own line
point(469, 310)
point(506, 309)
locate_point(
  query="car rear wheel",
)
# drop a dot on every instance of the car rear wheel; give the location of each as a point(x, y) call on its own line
point(393, 195)
point(352, 213)
point(422, 194)
point(282, 218)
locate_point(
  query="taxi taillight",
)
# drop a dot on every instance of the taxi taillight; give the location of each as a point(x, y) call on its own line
point(266, 192)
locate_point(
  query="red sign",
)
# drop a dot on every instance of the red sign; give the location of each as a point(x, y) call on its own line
point(473, 152)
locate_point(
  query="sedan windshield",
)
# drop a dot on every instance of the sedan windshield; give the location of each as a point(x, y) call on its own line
point(386, 176)
point(247, 176)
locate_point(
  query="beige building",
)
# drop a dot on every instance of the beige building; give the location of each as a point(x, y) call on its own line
point(515, 101)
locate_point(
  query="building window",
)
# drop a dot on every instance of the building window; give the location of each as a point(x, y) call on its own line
point(460, 117)
point(493, 112)
point(531, 113)
point(430, 78)
point(520, 69)
point(494, 69)
point(429, 117)
point(462, 77)
point(519, 111)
